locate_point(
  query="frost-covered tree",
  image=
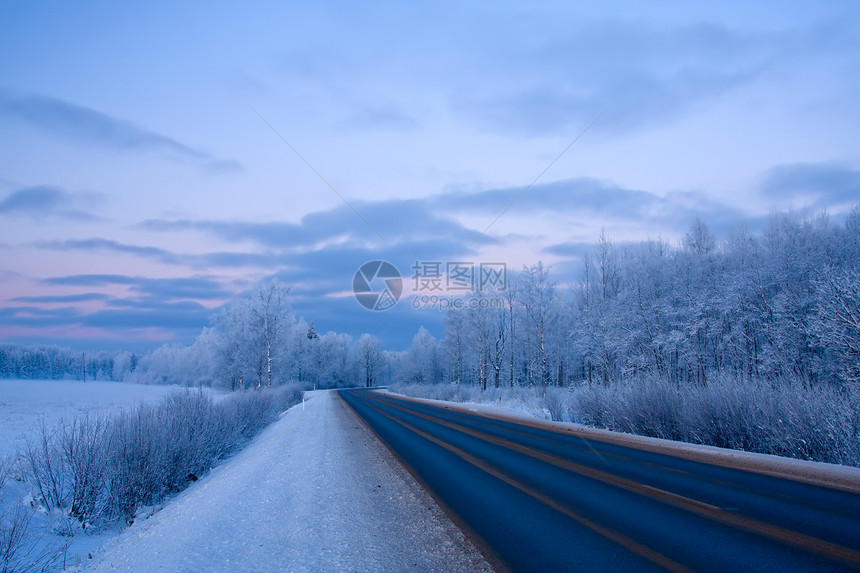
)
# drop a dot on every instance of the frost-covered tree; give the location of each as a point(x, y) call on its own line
point(836, 324)
point(420, 363)
point(300, 348)
point(481, 326)
point(250, 338)
point(537, 297)
point(370, 358)
point(699, 239)
point(237, 358)
point(453, 344)
point(272, 317)
point(511, 317)
point(498, 347)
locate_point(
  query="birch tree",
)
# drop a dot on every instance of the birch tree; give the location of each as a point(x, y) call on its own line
point(453, 343)
point(537, 299)
point(271, 312)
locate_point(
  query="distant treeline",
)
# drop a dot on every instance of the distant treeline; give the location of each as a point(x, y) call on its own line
point(55, 363)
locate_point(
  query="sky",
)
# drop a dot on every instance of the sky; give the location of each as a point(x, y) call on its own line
point(156, 160)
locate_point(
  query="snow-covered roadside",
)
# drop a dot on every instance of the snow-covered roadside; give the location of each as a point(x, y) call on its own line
point(38, 495)
point(316, 491)
point(818, 473)
point(519, 411)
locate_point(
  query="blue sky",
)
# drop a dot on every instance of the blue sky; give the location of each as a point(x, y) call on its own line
point(144, 180)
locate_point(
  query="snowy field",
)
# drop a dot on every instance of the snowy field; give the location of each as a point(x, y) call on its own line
point(25, 404)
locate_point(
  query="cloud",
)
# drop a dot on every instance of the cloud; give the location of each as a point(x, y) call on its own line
point(82, 124)
point(313, 276)
point(149, 309)
point(379, 117)
point(161, 306)
point(35, 316)
point(69, 298)
point(91, 280)
point(427, 227)
point(197, 261)
point(395, 220)
point(108, 245)
point(322, 270)
point(46, 201)
point(639, 74)
point(182, 316)
point(822, 184)
point(592, 199)
point(570, 249)
point(169, 289)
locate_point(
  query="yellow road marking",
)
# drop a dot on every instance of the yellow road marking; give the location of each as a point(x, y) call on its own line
point(626, 542)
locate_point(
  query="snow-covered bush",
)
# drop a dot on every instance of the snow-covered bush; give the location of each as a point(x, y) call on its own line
point(649, 408)
point(41, 463)
point(156, 451)
point(22, 545)
point(21, 549)
point(95, 469)
point(5, 468)
point(556, 403)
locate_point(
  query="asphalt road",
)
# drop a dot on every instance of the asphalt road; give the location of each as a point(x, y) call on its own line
point(540, 500)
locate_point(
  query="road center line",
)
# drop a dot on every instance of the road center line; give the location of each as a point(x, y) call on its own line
point(619, 538)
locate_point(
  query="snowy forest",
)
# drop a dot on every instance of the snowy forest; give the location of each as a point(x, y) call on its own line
point(750, 343)
point(781, 305)
point(760, 330)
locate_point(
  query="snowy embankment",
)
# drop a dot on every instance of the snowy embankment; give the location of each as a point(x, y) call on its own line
point(779, 418)
point(315, 491)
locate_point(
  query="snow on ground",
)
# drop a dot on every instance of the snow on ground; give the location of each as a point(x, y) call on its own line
point(316, 491)
point(24, 404)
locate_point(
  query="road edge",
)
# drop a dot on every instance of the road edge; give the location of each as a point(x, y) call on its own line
point(476, 540)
